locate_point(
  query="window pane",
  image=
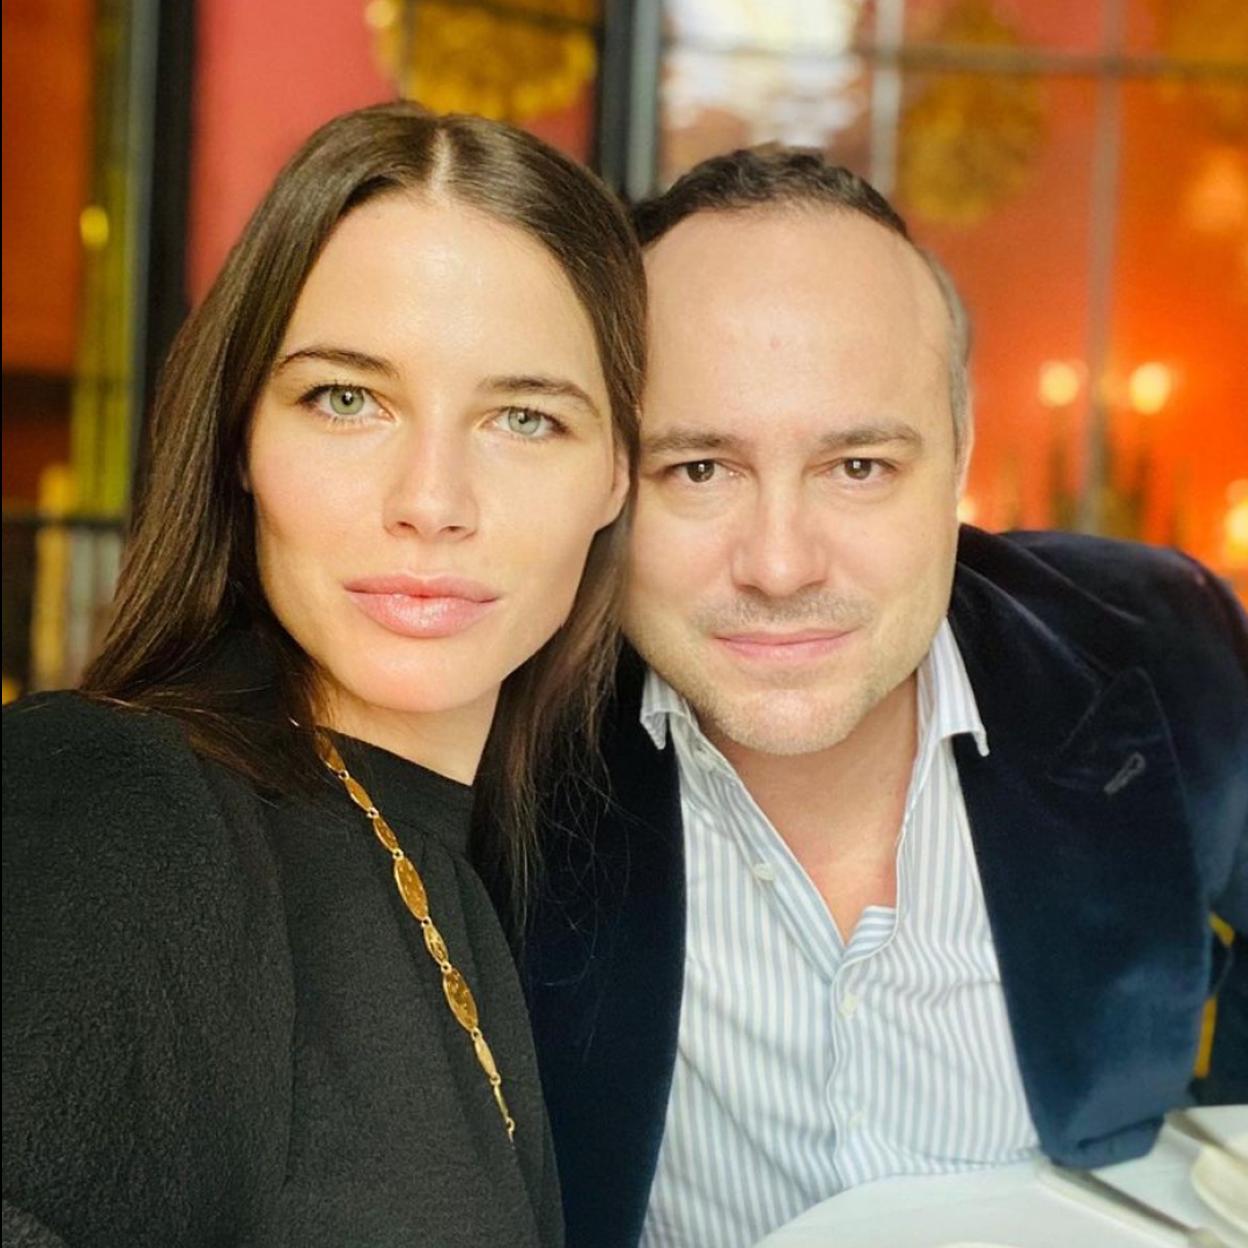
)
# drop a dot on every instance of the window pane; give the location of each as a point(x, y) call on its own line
point(995, 176)
point(736, 74)
point(1178, 385)
point(1055, 25)
point(1093, 210)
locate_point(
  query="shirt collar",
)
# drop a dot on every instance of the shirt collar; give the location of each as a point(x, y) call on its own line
point(947, 705)
point(660, 703)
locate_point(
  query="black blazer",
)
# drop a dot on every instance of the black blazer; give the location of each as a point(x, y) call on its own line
point(1113, 683)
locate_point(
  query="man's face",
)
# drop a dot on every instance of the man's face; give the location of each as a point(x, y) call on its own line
point(795, 530)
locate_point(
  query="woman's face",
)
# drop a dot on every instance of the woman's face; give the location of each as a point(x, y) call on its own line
point(430, 457)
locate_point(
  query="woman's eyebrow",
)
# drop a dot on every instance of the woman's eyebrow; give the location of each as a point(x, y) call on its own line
point(534, 383)
point(343, 356)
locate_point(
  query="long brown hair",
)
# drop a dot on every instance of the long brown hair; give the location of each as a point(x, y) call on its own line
point(189, 576)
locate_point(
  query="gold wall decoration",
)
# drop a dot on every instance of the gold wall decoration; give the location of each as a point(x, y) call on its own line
point(1213, 32)
point(968, 139)
point(506, 59)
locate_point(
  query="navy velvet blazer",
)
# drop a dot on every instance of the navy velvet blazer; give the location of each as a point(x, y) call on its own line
point(1109, 821)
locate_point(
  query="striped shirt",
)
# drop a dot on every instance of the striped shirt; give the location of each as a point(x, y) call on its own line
point(807, 1064)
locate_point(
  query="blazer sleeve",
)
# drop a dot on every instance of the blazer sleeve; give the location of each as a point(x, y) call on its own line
point(1227, 1080)
point(142, 1093)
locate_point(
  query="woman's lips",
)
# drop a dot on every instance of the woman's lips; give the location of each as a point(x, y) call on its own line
point(784, 648)
point(425, 607)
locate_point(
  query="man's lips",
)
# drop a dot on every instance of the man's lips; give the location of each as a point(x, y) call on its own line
point(423, 607)
point(776, 647)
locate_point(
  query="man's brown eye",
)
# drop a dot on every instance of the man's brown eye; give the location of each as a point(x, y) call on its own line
point(700, 471)
point(859, 469)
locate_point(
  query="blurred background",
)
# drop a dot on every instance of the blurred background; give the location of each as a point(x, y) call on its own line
point(1080, 165)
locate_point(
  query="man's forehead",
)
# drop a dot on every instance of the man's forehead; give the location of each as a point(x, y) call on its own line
point(789, 261)
point(792, 299)
point(778, 231)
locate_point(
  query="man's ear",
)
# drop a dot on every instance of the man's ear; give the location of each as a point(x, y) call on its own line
point(964, 457)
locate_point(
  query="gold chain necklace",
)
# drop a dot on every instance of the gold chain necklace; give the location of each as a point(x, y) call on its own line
point(412, 889)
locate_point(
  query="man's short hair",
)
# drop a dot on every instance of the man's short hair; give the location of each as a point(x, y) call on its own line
point(775, 176)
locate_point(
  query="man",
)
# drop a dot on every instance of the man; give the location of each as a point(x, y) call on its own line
point(915, 833)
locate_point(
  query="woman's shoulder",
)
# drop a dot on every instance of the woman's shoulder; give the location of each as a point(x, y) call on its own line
point(145, 954)
point(114, 786)
point(67, 751)
point(84, 731)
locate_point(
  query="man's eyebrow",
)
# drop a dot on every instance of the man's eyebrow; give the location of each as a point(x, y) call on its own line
point(690, 441)
point(344, 356)
point(540, 384)
point(699, 441)
point(857, 436)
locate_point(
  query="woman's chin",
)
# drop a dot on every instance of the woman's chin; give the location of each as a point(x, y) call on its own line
point(415, 693)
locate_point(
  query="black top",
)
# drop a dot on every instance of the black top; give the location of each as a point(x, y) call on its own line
point(221, 1025)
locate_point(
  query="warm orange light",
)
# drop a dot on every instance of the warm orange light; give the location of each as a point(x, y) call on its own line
point(1060, 381)
point(1217, 197)
point(1150, 388)
point(1237, 532)
point(968, 509)
point(381, 14)
point(94, 228)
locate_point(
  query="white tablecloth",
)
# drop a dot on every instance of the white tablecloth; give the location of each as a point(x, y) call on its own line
point(1012, 1207)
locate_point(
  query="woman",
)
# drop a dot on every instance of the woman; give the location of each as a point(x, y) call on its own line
point(254, 993)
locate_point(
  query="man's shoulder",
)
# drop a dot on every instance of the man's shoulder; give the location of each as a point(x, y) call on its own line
point(1062, 578)
point(1061, 610)
point(1106, 567)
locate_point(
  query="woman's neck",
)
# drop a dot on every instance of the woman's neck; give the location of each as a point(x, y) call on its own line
point(449, 742)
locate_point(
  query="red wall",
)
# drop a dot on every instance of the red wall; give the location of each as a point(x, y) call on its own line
point(47, 49)
point(266, 76)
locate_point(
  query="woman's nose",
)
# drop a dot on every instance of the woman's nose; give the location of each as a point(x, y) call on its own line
point(430, 491)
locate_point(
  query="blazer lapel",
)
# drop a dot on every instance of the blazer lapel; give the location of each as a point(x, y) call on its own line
point(1083, 846)
point(605, 978)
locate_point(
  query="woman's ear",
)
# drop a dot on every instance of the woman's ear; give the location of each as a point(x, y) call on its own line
point(621, 480)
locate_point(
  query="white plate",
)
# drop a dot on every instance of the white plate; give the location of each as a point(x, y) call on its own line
point(1222, 1182)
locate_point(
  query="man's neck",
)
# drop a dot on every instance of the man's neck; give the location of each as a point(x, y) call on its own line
point(840, 810)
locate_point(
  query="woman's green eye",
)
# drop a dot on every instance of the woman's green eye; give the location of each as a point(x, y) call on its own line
point(524, 422)
point(346, 400)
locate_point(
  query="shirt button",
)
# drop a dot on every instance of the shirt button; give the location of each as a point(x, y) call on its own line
point(764, 872)
point(849, 1005)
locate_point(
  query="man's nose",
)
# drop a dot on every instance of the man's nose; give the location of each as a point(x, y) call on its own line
point(782, 551)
